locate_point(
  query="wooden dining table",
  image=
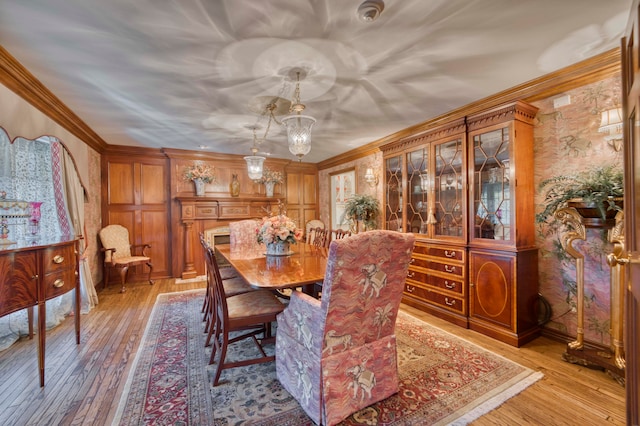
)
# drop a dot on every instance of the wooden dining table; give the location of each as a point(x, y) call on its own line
point(304, 267)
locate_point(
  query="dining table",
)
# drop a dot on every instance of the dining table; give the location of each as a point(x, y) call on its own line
point(303, 266)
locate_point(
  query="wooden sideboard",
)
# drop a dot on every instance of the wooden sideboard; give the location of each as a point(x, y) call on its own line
point(32, 273)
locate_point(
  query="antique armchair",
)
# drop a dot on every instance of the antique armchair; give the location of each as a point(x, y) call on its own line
point(120, 254)
point(337, 355)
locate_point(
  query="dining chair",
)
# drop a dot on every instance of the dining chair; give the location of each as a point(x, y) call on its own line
point(338, 355)
point(120, 254)
point(232, 285)
point(310, 228)
point(338, 234)
point(250, 314)
point(320, 237)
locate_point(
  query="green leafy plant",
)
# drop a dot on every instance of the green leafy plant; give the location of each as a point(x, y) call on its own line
point(362, 208)
point(600, 186)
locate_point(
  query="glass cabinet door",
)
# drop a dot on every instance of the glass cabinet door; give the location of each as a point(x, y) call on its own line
point(492, 200)
point(418, 190)
point(448, 184)
point(393, 193)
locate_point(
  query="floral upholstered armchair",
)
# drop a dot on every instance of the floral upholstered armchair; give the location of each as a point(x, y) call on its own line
point(338, 354)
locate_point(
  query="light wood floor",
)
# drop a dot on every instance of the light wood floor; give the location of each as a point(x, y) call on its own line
point(84, 382)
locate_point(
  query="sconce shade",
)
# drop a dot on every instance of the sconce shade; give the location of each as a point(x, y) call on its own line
point(611, 123)
point(254, 166)
point(299, 133)
point(370, 177)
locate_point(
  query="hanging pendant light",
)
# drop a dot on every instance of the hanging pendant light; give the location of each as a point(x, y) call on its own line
point(254, 161)
point(298, 126)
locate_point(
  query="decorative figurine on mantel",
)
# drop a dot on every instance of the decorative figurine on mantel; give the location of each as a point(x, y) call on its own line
point(234, 186)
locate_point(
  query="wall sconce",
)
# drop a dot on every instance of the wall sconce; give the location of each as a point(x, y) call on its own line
point(370, 177)
point(611, 124)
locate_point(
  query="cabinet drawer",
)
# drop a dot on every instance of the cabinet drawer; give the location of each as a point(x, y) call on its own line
point(449, 284)
point(446, 301)
point(449, 268)
point(59, 283)
point(447, 253)
point(418, 276)
point(58, 258)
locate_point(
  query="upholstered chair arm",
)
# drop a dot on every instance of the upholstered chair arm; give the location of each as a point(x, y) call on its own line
point(303, 320)
point(109, 254)
point(144, 248)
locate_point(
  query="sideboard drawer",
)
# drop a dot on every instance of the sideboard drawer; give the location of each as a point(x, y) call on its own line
point(59, 283)
point(58, 258)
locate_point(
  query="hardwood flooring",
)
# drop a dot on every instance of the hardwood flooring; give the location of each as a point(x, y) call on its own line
point(84, 382)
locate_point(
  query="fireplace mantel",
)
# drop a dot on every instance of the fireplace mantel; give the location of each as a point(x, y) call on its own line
point(222, 210)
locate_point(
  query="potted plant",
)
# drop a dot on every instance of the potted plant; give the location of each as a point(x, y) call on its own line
point(363, 209)
point(270, 178)
point(596, 193)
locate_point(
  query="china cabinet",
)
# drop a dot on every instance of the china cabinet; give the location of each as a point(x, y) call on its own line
point(425, 193)
point(465, 188)
point(503, 275)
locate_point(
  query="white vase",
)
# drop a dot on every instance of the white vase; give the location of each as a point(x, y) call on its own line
point(268, 186)
point(199, 187)
point(280, 248)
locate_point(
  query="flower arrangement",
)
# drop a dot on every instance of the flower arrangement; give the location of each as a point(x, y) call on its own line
point(278, 228)
point(271, 176)
point(201, 171)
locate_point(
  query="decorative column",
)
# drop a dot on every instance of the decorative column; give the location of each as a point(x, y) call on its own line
point(616, 237)
point(572, 219)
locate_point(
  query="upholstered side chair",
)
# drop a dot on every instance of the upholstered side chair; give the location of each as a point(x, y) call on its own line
point(120, 254)
point(338, 355)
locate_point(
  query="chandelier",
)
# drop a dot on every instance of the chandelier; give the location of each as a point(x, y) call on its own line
point(298, 126)
point(298, 131)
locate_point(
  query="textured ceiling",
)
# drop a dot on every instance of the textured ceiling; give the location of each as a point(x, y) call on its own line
point(195, 74)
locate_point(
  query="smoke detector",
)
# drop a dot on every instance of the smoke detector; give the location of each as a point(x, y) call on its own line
point(370, 10)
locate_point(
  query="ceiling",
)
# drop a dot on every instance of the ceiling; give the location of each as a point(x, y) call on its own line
point(197, 74)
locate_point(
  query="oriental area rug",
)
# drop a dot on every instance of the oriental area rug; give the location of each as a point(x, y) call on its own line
point(443, 379)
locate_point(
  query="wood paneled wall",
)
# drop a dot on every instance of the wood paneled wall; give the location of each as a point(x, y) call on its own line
point(135, 194)
point(141, 190)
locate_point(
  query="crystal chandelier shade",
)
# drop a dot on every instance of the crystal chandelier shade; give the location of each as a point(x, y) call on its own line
point(299, 133)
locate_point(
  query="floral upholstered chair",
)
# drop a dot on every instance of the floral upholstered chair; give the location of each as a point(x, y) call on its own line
point(120, 254)
point(243, 234)
point(337, 355)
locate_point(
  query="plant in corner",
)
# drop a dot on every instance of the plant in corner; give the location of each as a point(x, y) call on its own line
point(600, 187)
point(362, 208)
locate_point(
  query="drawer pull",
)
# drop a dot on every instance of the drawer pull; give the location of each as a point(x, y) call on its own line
point(411, 274)
point(449, 302)
point(449, 268)
point(447, 284)
point(410, 289)
point(57, 259)
point(451, 253)
point(58, 283)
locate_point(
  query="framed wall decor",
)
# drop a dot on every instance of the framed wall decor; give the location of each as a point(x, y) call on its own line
point(342, 186)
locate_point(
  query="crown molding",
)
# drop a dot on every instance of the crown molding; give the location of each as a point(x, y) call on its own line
point(20, 81)
point(594, 69)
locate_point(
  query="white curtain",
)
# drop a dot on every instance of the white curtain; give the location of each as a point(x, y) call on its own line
point(42, 170)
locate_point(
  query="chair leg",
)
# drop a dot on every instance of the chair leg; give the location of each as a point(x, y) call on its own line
point(123, 277)
point(150, 270)
point(223, 354)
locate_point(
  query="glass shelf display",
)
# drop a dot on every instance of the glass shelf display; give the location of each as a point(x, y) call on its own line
point(492, 199)
point(393, 193)
point(449, 195)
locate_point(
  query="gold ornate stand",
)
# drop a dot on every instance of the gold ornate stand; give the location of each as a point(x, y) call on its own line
point(612, 359)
